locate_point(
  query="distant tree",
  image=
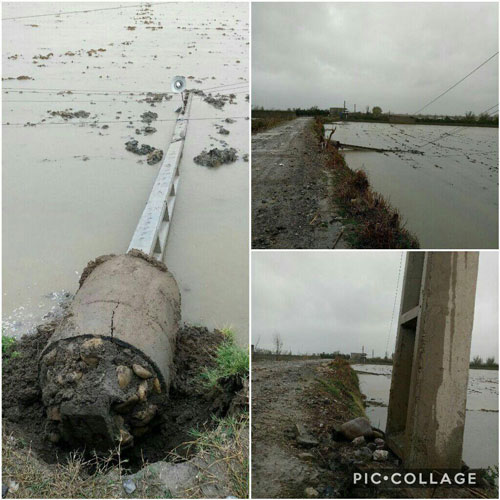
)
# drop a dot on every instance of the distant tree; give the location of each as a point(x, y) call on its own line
point(377, 110)
point(278, 344)
point(470, 116)
point(490, 361)
point(367, 109)
point(477, 361)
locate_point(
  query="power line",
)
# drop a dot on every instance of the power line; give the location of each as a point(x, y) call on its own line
point(93, 101)
point(79, 11)
point(460, 127)
point(394, 305)
point(460, 81)
point(34, 90)
point(8, 124)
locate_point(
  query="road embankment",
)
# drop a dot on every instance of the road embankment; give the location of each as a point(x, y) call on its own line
point(371, 221)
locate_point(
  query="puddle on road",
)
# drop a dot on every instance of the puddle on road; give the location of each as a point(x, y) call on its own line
point(72, 192)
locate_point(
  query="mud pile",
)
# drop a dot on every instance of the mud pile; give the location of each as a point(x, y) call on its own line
point(69, 115)
point(216, 157)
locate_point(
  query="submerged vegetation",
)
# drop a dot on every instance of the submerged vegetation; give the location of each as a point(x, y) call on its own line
point(372, 221)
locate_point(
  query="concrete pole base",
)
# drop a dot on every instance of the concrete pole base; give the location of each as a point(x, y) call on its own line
point(106, 371)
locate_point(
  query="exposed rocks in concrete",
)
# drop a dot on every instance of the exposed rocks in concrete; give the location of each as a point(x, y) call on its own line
point(216, 157)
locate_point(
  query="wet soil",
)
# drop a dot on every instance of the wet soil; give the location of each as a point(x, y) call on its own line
point(190, 405)
point(294, 397)
point(284, 394)
point(291, 204)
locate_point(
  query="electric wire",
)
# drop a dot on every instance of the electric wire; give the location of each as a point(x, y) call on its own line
point(457, 83)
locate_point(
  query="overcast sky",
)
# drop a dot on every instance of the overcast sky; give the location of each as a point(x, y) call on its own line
point(398, 56)
point(329, 301)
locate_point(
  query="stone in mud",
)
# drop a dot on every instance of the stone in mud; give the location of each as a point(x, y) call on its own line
point(363, 454)
point(359, 441)
point(304, 438)
point(142, 391)
point(143, 417)
point(157, 386)
point(223, 131)
point(229, 120)
point(357, 427)
point(154, 157)
point(124, 376)
point(311, 492)
point(380, 455)
point(216, 157)
point(141, 372)
point(379, 442)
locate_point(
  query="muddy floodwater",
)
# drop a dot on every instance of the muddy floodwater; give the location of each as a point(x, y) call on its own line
point(449, 195)
point(481, 421)
point(71, 192)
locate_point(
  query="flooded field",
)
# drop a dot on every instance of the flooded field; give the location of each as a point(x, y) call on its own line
point(448, 195)
point(72, 192)
point(481, 421)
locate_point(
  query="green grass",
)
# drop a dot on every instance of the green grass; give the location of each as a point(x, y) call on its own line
point(8, 348)
point(231, 361)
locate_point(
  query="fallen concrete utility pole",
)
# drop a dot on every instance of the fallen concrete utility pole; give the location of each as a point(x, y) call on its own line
point(341, 145)
point(106, 371)
point(151, 233)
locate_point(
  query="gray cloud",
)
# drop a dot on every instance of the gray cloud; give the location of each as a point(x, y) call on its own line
point(395, 55)
point(328, 301)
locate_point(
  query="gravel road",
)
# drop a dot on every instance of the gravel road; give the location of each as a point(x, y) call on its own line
point(291, 206)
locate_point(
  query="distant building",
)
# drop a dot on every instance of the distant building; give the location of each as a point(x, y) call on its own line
point(358, 357)
point(341, 112)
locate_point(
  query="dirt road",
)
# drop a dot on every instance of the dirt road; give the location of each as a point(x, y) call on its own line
point(277, 389)
point(291, 207)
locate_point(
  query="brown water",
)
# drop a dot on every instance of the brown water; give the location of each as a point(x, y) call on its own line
point(72, 192)
point(448, 195)
point(481, 421)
